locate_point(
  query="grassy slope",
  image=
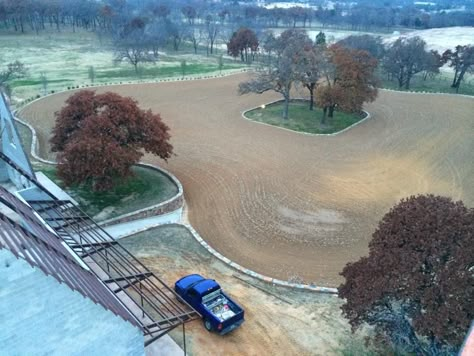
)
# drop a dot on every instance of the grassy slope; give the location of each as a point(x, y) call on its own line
point(301, 119)
point(145, 188)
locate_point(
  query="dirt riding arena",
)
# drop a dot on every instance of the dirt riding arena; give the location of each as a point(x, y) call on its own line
point(295, 206)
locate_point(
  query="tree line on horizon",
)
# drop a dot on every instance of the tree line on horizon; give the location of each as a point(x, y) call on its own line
point(104, 15)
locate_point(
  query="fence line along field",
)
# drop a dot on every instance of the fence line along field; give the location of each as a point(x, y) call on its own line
point(294, 206)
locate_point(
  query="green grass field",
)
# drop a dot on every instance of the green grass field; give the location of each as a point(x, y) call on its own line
point(302, 119)
point(64, 58)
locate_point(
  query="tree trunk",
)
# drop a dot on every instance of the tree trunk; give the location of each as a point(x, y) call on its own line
point(331, 111)
point(453, 85)
point(400, 81)
point(286, 107)
point(401, 77)
point(311, 95)
point(323, 118)
point(407, 83)
point(460, 77)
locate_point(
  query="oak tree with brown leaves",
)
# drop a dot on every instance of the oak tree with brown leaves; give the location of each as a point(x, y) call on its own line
point(348, 81)
point(416, 287)
point(243, 43)
point(98, 138)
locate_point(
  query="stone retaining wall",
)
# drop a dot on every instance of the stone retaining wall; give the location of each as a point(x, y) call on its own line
point(168, 206)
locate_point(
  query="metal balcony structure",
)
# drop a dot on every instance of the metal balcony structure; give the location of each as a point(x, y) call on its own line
point(153, 304)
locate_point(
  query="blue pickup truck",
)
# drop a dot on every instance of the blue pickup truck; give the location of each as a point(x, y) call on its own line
point(219, 312)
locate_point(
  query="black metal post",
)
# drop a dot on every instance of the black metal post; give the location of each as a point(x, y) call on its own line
point(184, 339)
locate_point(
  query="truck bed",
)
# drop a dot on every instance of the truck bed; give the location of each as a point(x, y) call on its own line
point(220, 306)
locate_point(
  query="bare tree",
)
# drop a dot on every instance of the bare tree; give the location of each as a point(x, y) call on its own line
point(281, 72)
point(462, 61)
point(193, 35)
point(133, 45)
point(13, 70)
point(405, 58)
point(134, 53)
point(212, 30)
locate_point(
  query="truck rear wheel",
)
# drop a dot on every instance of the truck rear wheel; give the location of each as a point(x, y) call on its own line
point(207, 325)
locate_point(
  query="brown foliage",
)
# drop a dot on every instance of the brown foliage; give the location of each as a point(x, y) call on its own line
point(349, 80)
point(99, 137)
point(417, 284)
point(241, 43)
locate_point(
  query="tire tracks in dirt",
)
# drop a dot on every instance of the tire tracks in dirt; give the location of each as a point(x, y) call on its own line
point(285, 204)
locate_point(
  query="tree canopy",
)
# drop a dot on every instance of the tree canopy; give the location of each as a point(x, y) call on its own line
point(282, 70)
point(462, 61)
point(98, 138)
point(348, 81)
point(12, 70)
point(243, 43)
point(417, 284)
point(369, 43)
point(406, 57)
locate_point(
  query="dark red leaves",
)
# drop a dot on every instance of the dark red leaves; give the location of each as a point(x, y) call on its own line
point(99, 137)
point(421, 256)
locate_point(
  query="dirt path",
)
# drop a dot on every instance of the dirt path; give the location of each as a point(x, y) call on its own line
point(293, 323)
point(290, 205)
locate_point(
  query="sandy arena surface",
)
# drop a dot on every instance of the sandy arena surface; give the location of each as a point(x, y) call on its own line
point(290, 205)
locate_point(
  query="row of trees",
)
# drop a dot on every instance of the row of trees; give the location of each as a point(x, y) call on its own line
point(139, 41)
point(37, 15)
point(335, 76)
point(407, 57)
point(342, 75)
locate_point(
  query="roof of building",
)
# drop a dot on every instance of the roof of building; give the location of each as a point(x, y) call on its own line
point(42, 249)
point(62, 235)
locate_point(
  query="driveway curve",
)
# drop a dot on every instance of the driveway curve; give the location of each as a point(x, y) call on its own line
point(292, 206)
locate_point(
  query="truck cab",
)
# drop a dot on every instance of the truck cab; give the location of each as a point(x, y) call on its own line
point(220, 313)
